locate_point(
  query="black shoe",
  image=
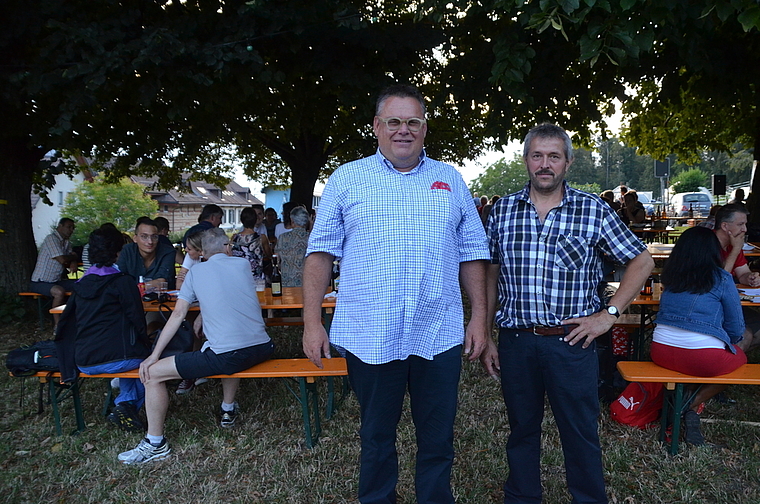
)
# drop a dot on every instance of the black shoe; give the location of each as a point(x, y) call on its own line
point(125, 417)
point(691, 425)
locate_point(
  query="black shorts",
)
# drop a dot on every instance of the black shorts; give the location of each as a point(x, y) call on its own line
point(193, 365)
point(44, 287)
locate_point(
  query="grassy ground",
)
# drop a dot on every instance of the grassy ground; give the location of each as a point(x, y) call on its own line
point(264, 459)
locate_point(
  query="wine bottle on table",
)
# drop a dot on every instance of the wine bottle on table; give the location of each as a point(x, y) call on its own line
point(276, 277)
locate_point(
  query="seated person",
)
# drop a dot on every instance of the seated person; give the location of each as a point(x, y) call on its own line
point(148, 258)
point(700, 322)
point(86, 249)
point(162, 223)
point(54, 260)
point(632, 210)
point(102, 329)
point(291, 248)
point(731, 228)
point(251, 244)
point(609, 198)
point(194, 256)
point(709, 223)
point(286, 225)
point(237, 340)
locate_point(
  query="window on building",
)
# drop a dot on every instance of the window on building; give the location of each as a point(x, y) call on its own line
point(60, 198)
point(315, 202)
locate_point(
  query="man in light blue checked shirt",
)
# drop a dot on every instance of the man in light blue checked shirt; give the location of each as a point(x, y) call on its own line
point(408, 234)
point(547, 243)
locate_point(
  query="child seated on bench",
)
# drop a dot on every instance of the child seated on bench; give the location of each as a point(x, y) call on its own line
point(700, 322)
point(236, 340)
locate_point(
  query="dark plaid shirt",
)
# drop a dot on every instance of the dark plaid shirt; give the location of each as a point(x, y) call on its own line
point(549, 271)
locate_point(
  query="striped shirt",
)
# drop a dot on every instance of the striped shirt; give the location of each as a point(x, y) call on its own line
point(550, 271)
point(401, 237)
point(47, 268)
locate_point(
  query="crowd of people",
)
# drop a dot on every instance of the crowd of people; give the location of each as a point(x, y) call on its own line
point(530, 262)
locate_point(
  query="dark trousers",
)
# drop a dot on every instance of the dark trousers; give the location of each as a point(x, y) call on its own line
point(380, 390)
point(532, 366)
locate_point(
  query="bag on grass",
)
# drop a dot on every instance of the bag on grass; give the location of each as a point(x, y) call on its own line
point(27, 360)
point(183, 339)
point(639, 405)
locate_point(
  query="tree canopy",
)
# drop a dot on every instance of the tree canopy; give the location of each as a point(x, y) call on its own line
point(94, 203)
point(160, 87)
point(157, 88)
point(501, 177)
point(688, 181)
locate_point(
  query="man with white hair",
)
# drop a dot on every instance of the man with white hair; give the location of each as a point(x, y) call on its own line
point(236, 340)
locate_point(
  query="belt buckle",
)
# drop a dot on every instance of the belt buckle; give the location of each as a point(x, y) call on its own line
point(539, 327)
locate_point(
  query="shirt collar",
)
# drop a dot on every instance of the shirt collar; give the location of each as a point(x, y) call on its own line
point(384, 161)
point(569, 195)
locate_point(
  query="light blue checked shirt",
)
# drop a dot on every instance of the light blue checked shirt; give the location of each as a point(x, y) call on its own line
point(550, 272)
point(401, 237)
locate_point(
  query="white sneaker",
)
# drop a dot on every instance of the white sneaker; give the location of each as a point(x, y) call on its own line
point(200, 381)
point(145, 452)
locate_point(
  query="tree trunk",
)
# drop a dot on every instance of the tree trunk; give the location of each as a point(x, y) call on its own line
point(304, 176)
point(17, 247)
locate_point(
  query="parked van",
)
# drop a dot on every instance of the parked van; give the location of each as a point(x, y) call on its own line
point(699, 202)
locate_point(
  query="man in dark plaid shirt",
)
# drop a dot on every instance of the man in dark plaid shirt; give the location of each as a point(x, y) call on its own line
point(547, 243)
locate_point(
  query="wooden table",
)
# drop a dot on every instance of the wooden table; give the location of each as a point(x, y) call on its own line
point(663, 250)
point(292, 298)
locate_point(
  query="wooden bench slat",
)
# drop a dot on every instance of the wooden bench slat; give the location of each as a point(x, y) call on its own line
point(274, 368)
point(748, 374)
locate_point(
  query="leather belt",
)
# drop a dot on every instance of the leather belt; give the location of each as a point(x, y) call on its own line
point(540, 330)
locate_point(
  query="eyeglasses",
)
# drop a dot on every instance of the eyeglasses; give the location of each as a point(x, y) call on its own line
point(147, 237)
point(394, 123)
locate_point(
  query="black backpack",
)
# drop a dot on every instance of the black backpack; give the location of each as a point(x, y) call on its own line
point(27, 360)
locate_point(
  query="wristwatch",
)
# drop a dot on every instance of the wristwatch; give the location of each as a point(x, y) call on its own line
point(612, 310)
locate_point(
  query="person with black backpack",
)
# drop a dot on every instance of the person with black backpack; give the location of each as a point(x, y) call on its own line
point(102, 329)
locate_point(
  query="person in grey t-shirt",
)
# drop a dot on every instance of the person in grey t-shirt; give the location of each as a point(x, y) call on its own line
point(237, 340)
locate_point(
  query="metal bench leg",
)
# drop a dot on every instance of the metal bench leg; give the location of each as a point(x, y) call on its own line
point(108, 401)
point(665, 417)
point(81, 426)
point(310, 412)
point(676, 415)
point(331, 407)
point(54, 406)
point(41, 313)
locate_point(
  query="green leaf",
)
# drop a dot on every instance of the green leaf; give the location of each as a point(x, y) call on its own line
point(750, 18)
point(569, 5)
point(626, 5)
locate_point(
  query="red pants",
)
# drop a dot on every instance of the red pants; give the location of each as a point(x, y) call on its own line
point(697, 362)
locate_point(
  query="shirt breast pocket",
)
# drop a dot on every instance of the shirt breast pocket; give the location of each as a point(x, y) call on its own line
point(571, 252)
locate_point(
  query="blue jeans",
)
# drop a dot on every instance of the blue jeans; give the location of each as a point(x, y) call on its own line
point(130, 389)
point(380, 390)
point(531, 367)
